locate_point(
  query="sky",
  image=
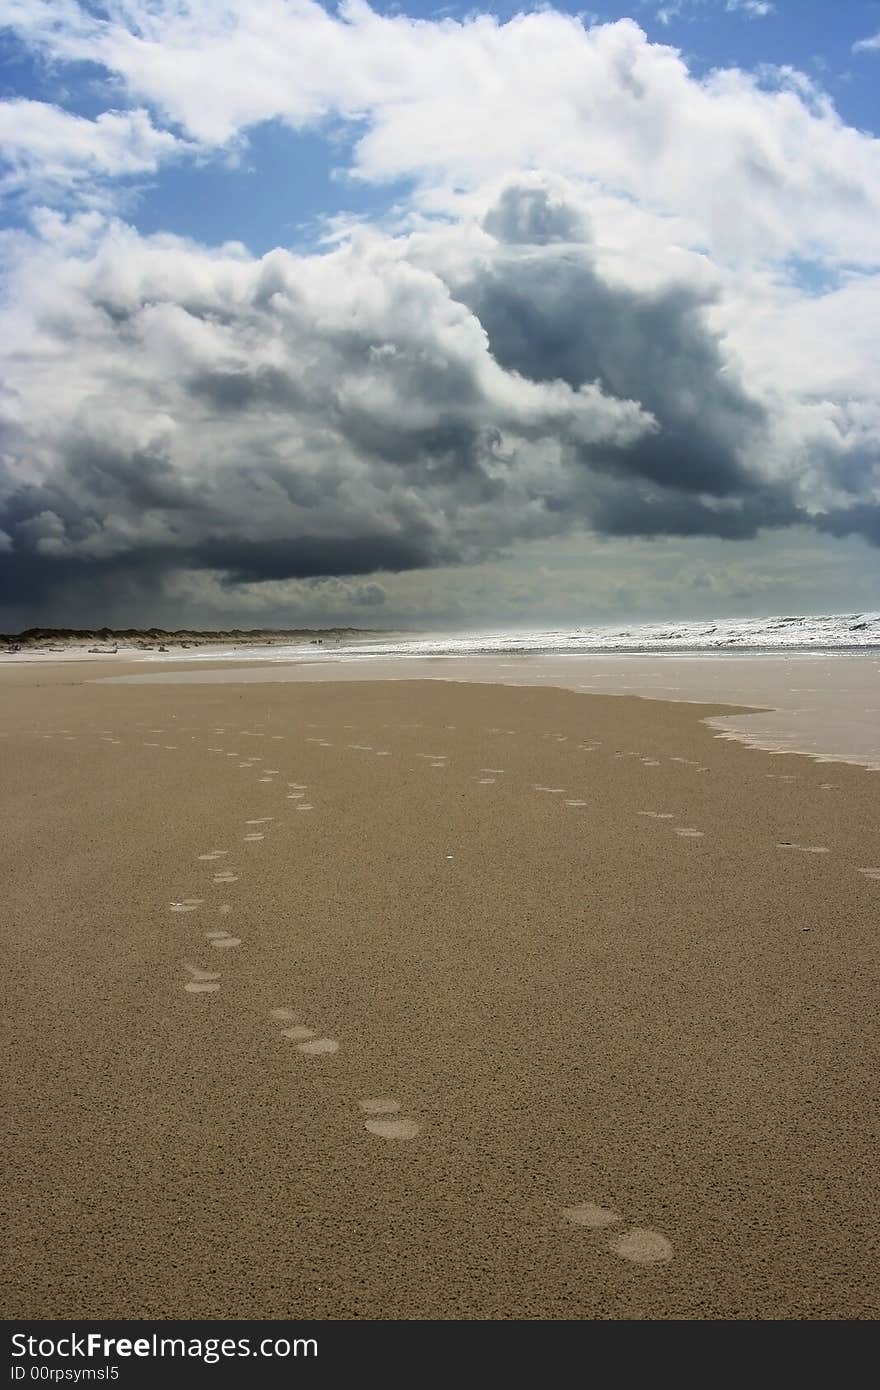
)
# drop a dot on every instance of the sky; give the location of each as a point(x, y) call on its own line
point(437, 316)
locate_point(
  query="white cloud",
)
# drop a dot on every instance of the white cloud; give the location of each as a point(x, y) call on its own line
point(752, 9)
point(45, 150)
point(759, 172)
point(755, 9)
point(870, 45)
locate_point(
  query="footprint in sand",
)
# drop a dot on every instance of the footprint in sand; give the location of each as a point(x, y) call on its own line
point(306, 806)
point(226, 878)
point(186, 905)
point(201, 981)
point(213, 854)
point(306, 1042)
point(485, 781)
point(381, 1105)
point(869, 873)
point(687, 832)
point(295, 796)
point(588, 1214)
point(318, 1047)
point(638, 1245)
point(575, 803)
point(385, 1119)
point(255, 836)
point(222, 940)
point(260, 820)
point(642, 1247)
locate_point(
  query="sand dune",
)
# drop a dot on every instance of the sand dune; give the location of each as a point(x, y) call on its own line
point(107, 641)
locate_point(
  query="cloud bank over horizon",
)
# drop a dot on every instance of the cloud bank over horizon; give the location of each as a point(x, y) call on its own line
point(607, 298)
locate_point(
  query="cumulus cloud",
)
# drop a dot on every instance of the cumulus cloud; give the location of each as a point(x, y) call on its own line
point(273, 418)
point(460, 102)
point(45, 151)
point(395, 403)
point(869, 45)
point(590, 312)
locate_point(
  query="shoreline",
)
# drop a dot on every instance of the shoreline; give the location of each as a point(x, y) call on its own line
point(835, 719)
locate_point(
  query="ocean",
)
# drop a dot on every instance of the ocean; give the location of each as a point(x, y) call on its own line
point(809, 684)
point(835, 632)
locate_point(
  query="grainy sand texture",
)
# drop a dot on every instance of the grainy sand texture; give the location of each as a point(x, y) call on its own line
point(406, 999)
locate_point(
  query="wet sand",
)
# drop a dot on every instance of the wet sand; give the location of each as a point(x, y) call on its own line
point(525, 1004)
point(824, 705)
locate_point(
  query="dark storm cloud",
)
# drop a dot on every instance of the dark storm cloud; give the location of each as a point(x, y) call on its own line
point(27, 573)
point(861, 519)
point(241, 390)
point(553, 317)
point(371, 410)
point(627, 511)
point(305, 557)
point(145, 479)
point(533, 217)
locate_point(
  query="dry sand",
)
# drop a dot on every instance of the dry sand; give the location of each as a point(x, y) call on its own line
point(482, 1050)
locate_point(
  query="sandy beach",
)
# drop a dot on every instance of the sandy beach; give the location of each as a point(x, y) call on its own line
point(403, 999)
